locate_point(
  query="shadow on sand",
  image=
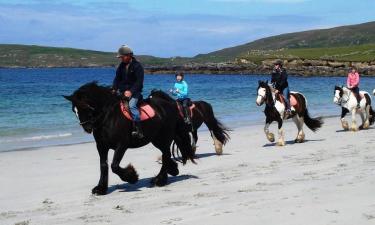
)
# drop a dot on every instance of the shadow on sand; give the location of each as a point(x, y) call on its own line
point(145, 183)
point(204, 155)
point(291, 142)
point(340, 131)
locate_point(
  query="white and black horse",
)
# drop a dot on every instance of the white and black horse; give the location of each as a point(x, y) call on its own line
point(345, 98)
point(275, 109)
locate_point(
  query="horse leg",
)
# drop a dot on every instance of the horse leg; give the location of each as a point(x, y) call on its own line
point(218, 145)
point(366, 124)
point(195, 138)
point(354, 122)
point(102, 187)
point(127, 174)
point(344, 123)
point(270, 136)
point(168, 165)
point(363, 121)
point(281, 141)
point(299, 123)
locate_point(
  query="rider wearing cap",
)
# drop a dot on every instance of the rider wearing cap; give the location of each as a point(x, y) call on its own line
point(280, 83)
point(129, 81)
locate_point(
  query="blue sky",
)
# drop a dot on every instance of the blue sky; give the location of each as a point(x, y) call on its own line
point(169, 27)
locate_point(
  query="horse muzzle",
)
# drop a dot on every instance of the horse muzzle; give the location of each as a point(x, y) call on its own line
point(88, 128)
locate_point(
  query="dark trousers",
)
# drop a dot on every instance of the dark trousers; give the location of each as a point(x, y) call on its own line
point(185, 102)
point(355, 91)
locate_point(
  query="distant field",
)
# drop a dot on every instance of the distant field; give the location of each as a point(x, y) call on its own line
point(358, 53)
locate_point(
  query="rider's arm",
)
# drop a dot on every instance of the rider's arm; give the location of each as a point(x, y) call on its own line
point(139, 73)
point(184, 89)
point(284, 78)
point(356, 80)
point(348, 82)
point(117, 79)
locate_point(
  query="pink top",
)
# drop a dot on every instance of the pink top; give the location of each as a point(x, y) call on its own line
point(353, 80)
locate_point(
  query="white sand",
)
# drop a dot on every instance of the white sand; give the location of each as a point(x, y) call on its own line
point(330, 179)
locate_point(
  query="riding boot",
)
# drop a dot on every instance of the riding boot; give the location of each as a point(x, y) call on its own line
point(186, 116)
point(137, 130)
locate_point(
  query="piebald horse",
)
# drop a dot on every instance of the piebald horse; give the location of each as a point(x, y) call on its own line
point(275, 109)
point(348, 102)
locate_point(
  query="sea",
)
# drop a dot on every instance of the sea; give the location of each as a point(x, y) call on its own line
point(34, 114)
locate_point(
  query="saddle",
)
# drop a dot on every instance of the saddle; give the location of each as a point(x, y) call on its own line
point(180, 109)
point(145, 111)
point(292, 100)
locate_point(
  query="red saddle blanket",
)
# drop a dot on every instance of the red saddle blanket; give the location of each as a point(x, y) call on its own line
point(145, 111)
point(292, 99)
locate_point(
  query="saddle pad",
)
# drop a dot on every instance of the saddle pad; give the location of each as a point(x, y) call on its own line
point(145, 110)
point(292, 100)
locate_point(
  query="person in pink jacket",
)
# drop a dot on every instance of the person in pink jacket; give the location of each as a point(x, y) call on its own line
point(353, 84)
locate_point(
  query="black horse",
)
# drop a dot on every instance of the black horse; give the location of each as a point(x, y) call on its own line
point(99, 112)
point(201, 112)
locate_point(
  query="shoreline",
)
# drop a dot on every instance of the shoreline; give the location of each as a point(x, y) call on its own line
point(201, 130)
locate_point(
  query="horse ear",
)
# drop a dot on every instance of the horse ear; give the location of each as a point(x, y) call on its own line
point(69, 98)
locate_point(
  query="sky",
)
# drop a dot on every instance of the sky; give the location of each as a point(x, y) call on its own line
point(168, 28)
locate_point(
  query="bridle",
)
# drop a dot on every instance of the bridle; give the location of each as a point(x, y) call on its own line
point(340, 99)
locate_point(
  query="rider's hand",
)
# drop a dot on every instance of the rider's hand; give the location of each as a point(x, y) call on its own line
point(177, 91)
point(276, 91)
point(128, 94)
point(170, 90)
point(113, 91)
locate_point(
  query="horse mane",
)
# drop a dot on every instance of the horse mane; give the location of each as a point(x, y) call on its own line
point(161, 94)
point(95, 94)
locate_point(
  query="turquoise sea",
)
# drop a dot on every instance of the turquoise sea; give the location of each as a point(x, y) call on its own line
point(33, 112)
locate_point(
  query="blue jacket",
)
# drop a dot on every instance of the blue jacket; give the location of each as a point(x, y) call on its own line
point(183, 90)
point(130, 79)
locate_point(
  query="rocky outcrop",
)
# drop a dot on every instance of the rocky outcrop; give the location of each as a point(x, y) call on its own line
point(300, 67)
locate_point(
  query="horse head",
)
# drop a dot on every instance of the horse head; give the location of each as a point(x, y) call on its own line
point(263, 93)
point(88, 104)
point(338, 93)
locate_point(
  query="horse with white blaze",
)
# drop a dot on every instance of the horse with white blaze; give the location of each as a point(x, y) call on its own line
point(275, 111)
point(344, 97)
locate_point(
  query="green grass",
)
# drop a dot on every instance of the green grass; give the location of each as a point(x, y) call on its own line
point(357, 53)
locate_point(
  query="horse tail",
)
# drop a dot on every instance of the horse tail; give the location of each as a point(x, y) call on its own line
point(371, 111)
point(218, 130)
point(313, 123)
point(183, 142)
point(372, 116)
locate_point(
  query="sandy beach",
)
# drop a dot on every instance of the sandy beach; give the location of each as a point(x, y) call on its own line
point(329, 179)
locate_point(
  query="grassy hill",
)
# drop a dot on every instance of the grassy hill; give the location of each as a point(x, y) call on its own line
point(40, 56)
point(344, 40)
point(346, 43)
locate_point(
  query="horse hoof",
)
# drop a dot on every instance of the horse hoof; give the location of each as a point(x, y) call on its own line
point(298, 141)
point(172, 168)
point(130, 175)
point(271, 137)
point(99, 190)
point(280, 143)
point(159, 181)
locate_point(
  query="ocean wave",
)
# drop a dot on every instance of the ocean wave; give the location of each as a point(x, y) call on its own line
point(37, 138)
